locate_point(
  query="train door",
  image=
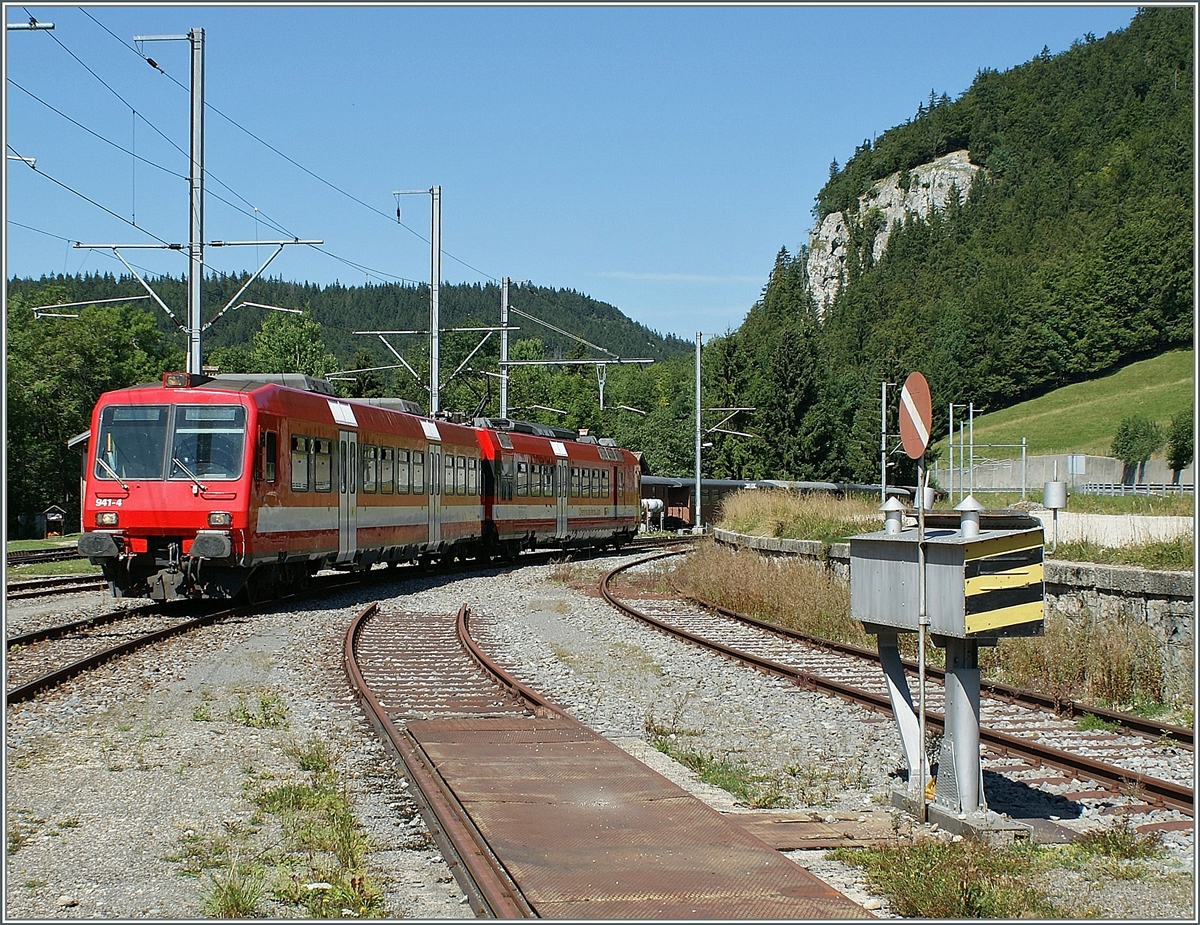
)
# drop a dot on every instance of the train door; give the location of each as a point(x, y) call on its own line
point(562, 485)
point(433, 477)
point(347, 495)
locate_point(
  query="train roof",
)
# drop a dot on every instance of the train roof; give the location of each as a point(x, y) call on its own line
point(298, 382)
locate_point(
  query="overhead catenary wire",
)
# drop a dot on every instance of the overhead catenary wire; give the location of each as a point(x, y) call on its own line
point(94, 133)
point(76, 192)
point(288, 158)
point(209, 175)
point(257, 212)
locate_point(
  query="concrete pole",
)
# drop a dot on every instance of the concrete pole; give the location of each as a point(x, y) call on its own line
point(435, 276)
point(697, 523)
point(196, 183)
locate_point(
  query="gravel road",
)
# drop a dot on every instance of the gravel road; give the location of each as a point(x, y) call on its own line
point(108, 778)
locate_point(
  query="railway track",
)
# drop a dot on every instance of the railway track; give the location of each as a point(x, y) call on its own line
point(429, 674)
point(48, 587)
point(31, 556)
point(539, 816)
point(1021, 730)
point(46, 657)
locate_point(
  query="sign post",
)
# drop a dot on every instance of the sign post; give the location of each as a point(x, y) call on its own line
point(916, 416)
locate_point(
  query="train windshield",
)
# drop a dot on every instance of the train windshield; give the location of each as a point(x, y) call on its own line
point(207, 442)
point(131, 442)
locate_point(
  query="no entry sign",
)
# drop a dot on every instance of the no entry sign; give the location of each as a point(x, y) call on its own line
point(916, 414)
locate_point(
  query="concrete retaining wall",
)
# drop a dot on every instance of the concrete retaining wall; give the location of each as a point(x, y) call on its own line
point(1113, 529)
point(1162, 601)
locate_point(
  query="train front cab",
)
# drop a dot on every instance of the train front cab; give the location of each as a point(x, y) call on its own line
point(165, 491)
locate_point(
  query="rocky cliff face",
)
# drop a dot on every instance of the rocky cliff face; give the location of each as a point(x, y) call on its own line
point(929, 187)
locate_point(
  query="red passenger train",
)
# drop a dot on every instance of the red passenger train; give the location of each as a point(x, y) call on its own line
point(210, 486)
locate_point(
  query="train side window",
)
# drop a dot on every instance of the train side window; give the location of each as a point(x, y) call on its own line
point(370, 468)
point(621, 484)
point(574, 481)
point(418, 472)
point(472, 476)
point(535, 480)
point(460, 474)
point(403, 472)
point(322, 463)
point(448, 475)
point(299, 463)
point(522, 478)
point(605, 484)
point(268, 443)
point(387, 470)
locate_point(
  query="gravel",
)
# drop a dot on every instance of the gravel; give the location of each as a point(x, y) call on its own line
point(109, 777)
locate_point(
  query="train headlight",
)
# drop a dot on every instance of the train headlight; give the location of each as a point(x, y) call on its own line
point(106, 518)
point(175, 380)
point(220, 519)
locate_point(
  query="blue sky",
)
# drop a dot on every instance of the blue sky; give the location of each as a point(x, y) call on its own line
point(653, 157)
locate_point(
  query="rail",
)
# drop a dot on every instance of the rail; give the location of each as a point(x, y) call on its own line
point(1165, 792)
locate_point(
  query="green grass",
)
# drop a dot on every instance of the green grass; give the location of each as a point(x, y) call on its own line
point(1171, 556)
point(1083, 418)
point(53, 542)
point(972, 879)
point(317, 862)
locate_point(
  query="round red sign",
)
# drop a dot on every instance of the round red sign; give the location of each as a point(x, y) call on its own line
point(916, 415)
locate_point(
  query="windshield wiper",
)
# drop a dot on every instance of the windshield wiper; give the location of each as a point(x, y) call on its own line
point(188, 473)
point(109, 470)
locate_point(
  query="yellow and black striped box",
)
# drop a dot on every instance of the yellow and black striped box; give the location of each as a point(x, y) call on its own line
point(978, 587)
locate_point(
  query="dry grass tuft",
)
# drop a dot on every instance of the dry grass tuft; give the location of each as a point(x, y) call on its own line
point(796, 593)
point(793, 515)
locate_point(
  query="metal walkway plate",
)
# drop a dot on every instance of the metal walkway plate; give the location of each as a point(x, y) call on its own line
point(588, 832)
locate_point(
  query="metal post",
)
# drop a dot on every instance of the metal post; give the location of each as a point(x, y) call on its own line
point(883, 443)
point(435, 276)
point(962, 725)
point(196, 182)
point(696, 525)
point(504, 347)
point(1023, 470)
point(962, 462)
point(971, 435)
point(950, 447)
point(922, 626)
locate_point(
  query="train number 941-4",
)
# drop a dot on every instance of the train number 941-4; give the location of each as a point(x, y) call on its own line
point(109, 502)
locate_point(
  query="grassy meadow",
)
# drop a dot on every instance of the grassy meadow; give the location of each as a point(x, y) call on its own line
point(1083, 418)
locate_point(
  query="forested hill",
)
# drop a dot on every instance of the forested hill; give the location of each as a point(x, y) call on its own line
point(340, 310)
point(1071, 255)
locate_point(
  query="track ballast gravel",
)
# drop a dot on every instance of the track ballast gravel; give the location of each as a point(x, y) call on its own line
point(108, 778)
